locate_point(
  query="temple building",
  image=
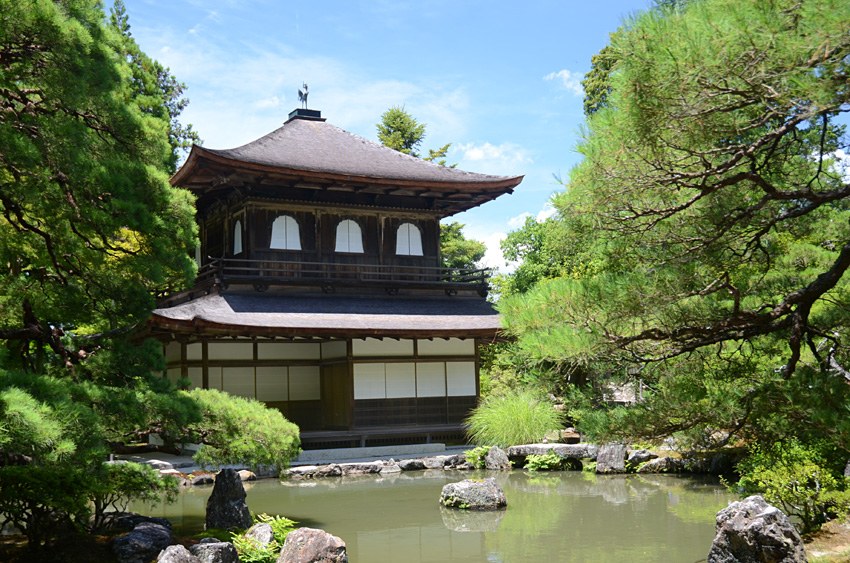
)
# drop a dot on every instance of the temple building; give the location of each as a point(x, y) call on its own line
point(321, 290)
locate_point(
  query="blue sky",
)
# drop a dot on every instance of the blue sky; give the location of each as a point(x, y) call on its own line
point(498, 80)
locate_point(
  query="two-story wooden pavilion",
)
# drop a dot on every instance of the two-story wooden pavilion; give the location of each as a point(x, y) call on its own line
point(320, 290)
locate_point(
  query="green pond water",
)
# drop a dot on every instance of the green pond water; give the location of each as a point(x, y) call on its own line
point(559, 516)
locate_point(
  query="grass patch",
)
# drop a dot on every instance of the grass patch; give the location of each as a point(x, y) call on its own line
point(522, 417)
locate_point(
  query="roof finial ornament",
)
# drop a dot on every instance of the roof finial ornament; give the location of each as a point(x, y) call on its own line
point(302, 95)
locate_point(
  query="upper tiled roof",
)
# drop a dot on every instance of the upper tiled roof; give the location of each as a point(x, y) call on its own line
point(307, 144)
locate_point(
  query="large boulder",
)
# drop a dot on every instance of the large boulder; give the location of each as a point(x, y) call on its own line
point(753, 531)
point(226, 507)
point(664, 464)
point(611, 458)
point(474, 494)
point(411, 464)
point(308, 545)
point(216, 552)
point(497, 460)
point(576, 451)
point(142, 544)
point(176, 554)
point(636, 457)
point(117, 522)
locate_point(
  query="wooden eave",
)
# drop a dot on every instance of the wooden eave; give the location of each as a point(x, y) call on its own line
point(161, 324)
point(205, 172)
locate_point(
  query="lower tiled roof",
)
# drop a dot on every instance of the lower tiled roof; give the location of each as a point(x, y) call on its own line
point(330, 315)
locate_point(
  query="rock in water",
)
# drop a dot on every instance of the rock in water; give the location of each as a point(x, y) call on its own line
point(497, 460)
point(142, 544)
point(611, 458)
point(226, 507)
point(176, 554)
point(308, 545)
point(474, 495)
point(753, 531)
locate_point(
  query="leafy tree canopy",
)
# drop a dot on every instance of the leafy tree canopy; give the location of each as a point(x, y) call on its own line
point(90, 232)
point(458, 251)
point(719, 217)
point(398, 130)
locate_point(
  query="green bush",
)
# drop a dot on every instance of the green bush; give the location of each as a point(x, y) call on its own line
point(251, 551)
point(476, 456)
point(796, 479)
point(521, 417)
point(549, 461)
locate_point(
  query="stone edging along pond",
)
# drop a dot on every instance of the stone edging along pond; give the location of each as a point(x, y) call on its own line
point(609, 459)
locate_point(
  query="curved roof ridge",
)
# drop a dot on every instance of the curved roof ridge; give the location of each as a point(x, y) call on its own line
point(319, 146)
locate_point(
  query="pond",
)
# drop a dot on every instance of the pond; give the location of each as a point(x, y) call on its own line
point(561, 516)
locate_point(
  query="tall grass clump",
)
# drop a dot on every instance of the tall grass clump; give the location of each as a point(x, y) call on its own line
point(521, 417)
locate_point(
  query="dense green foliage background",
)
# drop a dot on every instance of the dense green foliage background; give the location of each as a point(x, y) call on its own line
point(91, 232)
point(700, 248)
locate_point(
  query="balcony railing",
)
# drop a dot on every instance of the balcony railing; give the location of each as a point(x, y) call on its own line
point(264, 273)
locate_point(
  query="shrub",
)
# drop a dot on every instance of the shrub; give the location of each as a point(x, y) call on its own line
point(795, 478)
point(521, 417)
point(549, 461)
point(251, 551)
point(476, 456)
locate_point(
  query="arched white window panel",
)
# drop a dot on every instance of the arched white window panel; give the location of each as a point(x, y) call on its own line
point(348, 237)
point(237, 237)
point(408, 240)
point(285, 233)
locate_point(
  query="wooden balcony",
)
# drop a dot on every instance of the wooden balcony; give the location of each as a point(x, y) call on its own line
point(263, 274)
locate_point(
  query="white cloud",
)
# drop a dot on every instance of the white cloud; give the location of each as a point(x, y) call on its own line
point(545, 213)
point(519, 220)
point(493, 257)
point(267, 76)
point(571, 81)
point(506, 158)
point(272, 102)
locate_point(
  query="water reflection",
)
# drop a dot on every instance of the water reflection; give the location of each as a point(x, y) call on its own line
point(563, 516)
point(471, 520)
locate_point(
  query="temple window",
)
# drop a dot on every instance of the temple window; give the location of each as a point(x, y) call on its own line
point(349, 237)
point(237, 237)
point(408, 240)
point(285, 234)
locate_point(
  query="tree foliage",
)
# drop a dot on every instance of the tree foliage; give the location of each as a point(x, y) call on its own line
point(90, 232)
point(234, 429)
point(84, 190)
point(400, 131)
point(456, 250)
point(719, 217)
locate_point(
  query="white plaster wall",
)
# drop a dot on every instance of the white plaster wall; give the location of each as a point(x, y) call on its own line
point(231, 350)
point(450, 347)
point(272, 383)
point(370, 381)
point(401, 380)
point(431, 379)
point(239, 381)
point(386, 347)
point(288, 351)
point(460, 379)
